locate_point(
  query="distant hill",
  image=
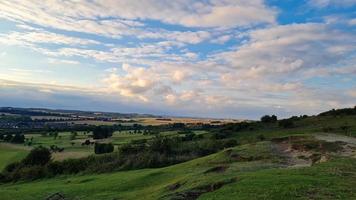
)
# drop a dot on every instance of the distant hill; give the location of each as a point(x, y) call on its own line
point(68, 113)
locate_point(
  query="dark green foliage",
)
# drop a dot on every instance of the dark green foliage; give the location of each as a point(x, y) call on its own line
point(33, 166)
point(55, 148)
point(189, 137)
point(101, 148)
point(18, 139)
point(286, 123)
point(8, 138)
point(37, 156)
point(261, 137)
point(101, 132)
point(269, 119)
point(222, 134)
point(338, 112)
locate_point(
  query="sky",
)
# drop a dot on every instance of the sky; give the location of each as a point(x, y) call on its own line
point(202, 58)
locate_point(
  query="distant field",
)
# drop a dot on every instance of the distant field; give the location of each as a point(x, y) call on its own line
point(155, 121)
point(72, 148)
point(160, 121)
point(49, 118)
point(92, 122)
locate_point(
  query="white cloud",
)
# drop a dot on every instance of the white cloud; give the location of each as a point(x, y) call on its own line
point(325, 3)
point(117, 18)
point(41, 37)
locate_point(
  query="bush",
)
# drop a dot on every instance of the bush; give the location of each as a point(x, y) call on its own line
point(222, 134)
point(286, 123)
point(18, 139)
point(8, 138)
point(37, 156)
point(261, 137)
point(269, 119)
point(103, 148)
point(101, 132)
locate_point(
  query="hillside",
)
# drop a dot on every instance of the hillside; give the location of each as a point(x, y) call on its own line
point(251, 171)
point(305, 157)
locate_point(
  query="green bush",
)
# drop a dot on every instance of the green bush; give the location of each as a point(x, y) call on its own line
point(101, 148)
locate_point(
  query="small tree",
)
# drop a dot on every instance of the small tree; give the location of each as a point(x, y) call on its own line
point(8, 138)
point(345, 128)
point(37, 156)
point(269, 119)
point(18, 139)
point(101, 132)
point(73, 135)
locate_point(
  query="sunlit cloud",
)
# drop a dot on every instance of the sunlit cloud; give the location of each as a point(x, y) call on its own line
point(215, 58)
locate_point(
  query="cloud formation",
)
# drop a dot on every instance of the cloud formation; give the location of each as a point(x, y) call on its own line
point(192, 57)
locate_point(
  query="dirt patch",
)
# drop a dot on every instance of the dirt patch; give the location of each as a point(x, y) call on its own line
point(194, 193)
point(348, 143)
point(305, 150)
point(217, 169)
point(289, 157)
point(69, 154)
point(56, 196)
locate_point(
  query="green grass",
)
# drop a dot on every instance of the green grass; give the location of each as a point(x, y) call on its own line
point(259, 178)
point(249, 171)
point(9, 154)
point(332, 180)
point(308, 125)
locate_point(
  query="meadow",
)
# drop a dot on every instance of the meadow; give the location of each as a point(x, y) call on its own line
point(73, 148)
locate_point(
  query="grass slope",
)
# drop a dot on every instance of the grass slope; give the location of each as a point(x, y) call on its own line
point(244, 172)
point(10, 153)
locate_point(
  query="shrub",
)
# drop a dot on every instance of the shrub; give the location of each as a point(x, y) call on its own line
point(101, 132)
point(103, 148)
point(222, 134)
point(37, 156)
point(8, 138)
point(261, 137)
point(269, 119)
point(286, 123)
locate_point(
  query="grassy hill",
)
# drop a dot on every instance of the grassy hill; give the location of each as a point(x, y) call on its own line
point(312, 158)
point(253, 171)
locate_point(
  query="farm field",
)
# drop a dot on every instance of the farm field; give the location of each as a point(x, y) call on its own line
point(72, 148)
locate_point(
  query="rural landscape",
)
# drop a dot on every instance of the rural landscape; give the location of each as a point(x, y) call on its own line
point(177, 100)
point(301, 157)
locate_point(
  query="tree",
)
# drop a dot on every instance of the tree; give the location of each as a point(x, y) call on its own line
point(73, 135)
point(101, 132)
point(345, 128)
point(269, 119)
point(8, 138)
point(37, 156)
point(18, 139)
point(55, 135)
point(101, 148)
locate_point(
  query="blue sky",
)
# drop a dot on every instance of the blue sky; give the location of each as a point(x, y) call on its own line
point(207, 58)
